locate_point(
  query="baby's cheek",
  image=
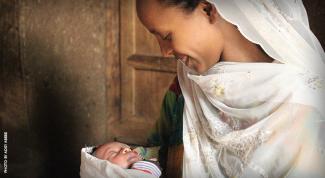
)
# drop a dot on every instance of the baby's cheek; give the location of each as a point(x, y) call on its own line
point(121, 161)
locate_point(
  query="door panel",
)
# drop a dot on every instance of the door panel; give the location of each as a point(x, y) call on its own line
point(145, 77)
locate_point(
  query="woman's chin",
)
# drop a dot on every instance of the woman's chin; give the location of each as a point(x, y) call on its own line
point(199, 69)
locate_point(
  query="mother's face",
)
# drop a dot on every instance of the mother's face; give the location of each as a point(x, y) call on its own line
point(193, 37)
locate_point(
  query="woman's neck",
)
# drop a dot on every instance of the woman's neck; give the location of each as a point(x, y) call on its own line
point(238, 49)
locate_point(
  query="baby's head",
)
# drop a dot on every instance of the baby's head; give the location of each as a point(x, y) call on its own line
point(117, 153)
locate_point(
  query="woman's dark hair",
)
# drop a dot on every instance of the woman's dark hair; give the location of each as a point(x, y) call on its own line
point(188, 5)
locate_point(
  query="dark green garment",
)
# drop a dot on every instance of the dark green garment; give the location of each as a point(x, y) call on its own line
point(168, 130)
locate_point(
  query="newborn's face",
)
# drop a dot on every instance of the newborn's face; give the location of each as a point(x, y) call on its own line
point(117, 153)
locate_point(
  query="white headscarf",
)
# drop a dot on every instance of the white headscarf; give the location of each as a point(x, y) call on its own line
point(280, 26)
point(258, 119)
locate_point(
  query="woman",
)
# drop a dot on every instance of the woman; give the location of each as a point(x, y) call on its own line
point(251, 73)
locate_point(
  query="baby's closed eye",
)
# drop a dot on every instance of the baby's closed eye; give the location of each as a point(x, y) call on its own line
point(111, 155)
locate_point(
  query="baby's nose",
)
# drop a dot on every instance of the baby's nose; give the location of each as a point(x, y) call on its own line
point(125, 150)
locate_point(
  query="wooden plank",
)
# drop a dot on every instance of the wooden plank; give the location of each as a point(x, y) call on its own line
point(127, 32)
point(113, 63)
point(153, 63)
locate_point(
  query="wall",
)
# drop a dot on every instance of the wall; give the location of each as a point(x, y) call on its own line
point(316, 15)
point(53, 84)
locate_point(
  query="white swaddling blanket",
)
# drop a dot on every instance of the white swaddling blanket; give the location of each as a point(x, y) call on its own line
point(92, 167)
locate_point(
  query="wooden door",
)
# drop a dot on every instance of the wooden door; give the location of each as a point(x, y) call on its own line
point(144, 78)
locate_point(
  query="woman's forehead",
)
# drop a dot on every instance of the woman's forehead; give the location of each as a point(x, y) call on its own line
point(147, 9)
point(154, 15)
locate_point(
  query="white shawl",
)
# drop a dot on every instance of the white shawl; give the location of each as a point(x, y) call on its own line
point(258, 119)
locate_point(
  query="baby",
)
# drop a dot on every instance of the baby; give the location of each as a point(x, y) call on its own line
point(122, 155)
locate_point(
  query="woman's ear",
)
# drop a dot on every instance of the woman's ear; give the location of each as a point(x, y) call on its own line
point(209, 10)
